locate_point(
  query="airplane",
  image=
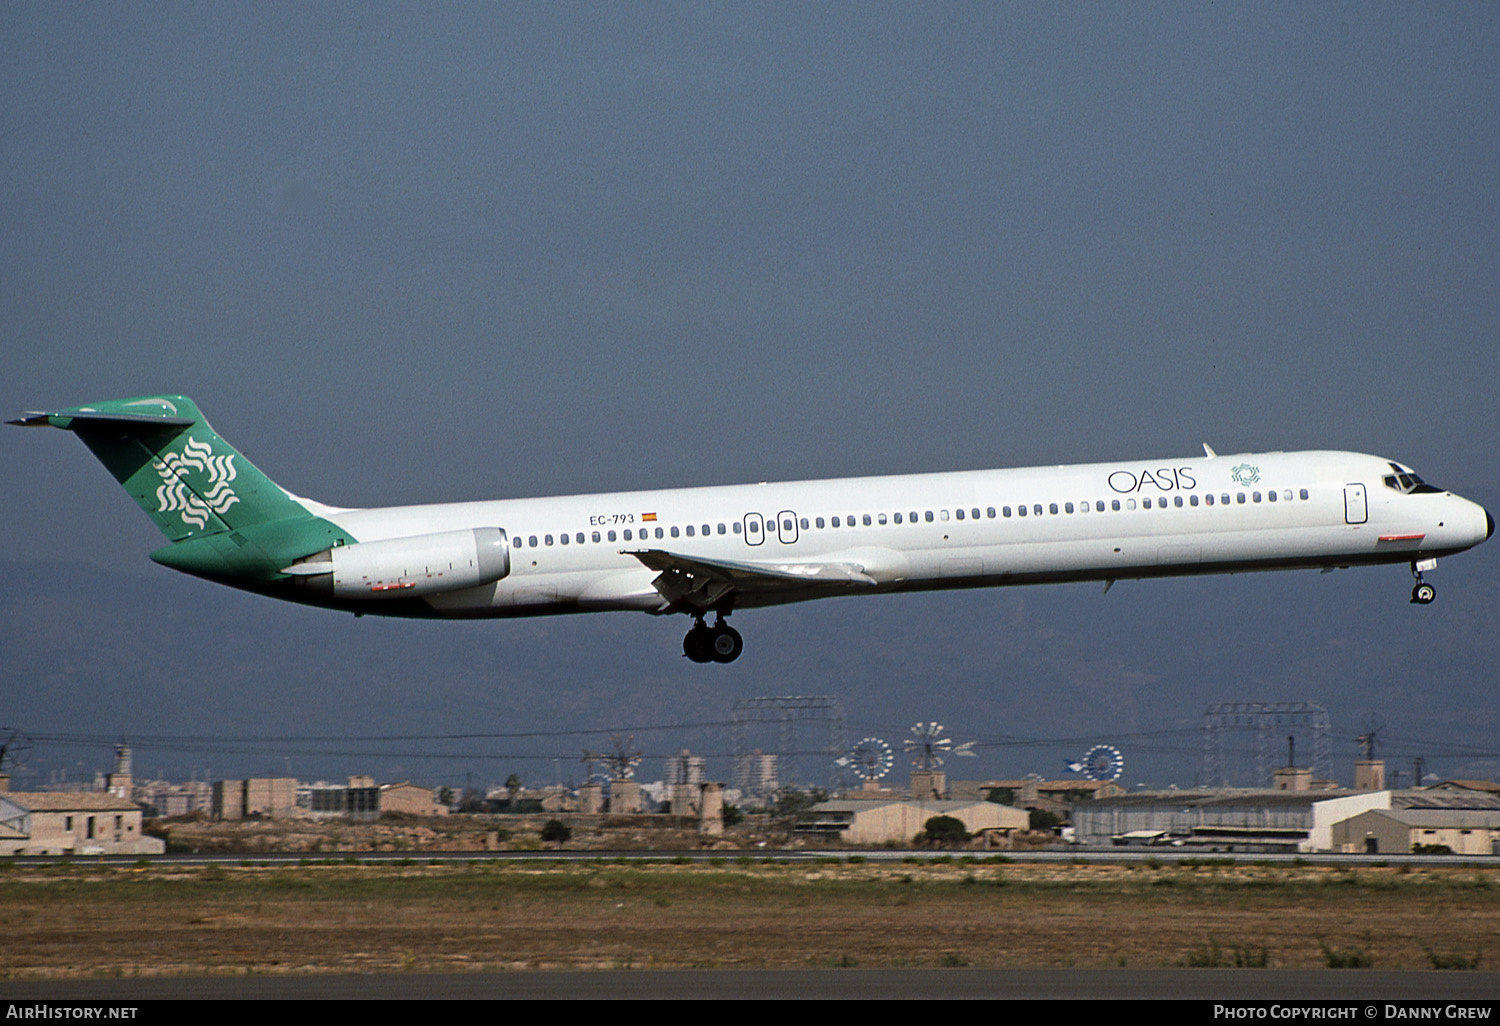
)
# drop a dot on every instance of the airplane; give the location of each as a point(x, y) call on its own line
point(718, 549)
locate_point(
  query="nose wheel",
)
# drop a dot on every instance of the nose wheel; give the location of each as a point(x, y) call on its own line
point(1421, 592)
point(720, 643)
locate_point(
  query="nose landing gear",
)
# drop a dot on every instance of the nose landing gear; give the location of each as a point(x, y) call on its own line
point(1422, 592)
point(720, 643)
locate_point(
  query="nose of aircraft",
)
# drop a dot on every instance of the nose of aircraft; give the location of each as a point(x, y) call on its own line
point(1489, 521)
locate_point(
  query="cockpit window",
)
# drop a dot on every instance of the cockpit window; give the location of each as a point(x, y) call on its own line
point(1408, 484)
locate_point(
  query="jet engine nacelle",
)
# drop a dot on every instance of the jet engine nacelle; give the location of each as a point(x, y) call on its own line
point(406, 567)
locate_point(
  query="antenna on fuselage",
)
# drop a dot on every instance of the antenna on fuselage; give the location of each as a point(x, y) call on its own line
point(1208, 451)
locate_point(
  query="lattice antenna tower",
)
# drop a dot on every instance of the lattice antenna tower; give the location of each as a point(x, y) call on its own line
point(1268, 720)
point(13, 750)
point(788, 713)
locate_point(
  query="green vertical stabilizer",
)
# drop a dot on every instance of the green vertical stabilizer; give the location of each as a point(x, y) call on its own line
point(224, 517)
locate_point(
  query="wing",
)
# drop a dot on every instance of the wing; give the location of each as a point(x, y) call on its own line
point(704, 583)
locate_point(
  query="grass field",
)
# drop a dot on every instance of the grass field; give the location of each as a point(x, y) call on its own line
point(80, 920)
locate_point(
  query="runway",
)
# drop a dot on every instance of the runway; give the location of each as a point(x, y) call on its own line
point(1355, 986)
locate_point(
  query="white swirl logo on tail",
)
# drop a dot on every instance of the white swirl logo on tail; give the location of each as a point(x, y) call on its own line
point(175, 496)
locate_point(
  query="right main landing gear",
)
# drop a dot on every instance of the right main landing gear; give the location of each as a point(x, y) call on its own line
point(720, 643)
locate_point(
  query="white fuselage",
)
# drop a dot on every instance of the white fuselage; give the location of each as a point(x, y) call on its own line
point(1101, 521)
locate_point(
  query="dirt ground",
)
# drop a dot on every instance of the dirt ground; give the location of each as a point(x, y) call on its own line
point(443, 833)
point(736, 912)
point(476, 833)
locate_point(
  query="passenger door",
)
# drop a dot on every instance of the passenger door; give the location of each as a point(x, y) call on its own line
point(1356, 511)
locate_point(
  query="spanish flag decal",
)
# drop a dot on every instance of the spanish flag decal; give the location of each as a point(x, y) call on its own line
point(648, 517)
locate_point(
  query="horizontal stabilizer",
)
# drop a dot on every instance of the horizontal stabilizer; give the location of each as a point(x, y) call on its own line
point(90, 417)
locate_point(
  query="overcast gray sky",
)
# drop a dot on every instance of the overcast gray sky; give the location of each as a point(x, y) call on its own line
point(406, 252)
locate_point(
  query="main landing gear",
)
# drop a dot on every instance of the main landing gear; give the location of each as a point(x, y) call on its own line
point(1422, 592)
point(720, 643)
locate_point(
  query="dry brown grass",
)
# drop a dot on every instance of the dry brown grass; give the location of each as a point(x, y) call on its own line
point(81, 921)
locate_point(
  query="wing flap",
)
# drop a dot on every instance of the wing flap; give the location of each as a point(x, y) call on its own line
point(754, 575)
point(702, 583)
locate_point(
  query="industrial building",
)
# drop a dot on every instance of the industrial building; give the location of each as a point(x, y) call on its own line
point(897, 822)
point(362, 798)
point(1399, 831)
point(1261, 820)
point(256, 797)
